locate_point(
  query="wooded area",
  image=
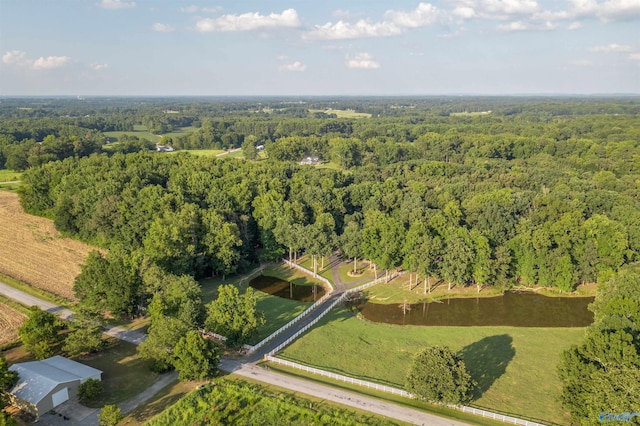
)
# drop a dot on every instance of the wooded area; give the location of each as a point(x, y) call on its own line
point(471, 191)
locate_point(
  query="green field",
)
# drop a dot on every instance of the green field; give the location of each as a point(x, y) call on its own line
point(124, 375)
point(515, 367)
point(349, 113)
point(239, 402)
point(9, 175)
point(277, 310)
point(201, 152)
point(143, 133)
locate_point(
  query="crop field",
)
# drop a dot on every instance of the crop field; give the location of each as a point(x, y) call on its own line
point(10, 320)
point(340, 113)
point(33, 251)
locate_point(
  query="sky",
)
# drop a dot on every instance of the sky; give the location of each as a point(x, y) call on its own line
point(322, 47)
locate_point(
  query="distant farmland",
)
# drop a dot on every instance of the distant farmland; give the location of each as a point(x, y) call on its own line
point(33, 251)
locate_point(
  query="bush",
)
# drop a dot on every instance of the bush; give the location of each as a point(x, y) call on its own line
point(90, 390)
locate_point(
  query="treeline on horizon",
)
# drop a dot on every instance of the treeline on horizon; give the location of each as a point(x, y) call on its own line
point(486, 200)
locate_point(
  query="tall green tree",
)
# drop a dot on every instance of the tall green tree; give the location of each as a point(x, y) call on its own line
point(234, 315)
point(196, 357)
point(439, 375)
point(40, 333)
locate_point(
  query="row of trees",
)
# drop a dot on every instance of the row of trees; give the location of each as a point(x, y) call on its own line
point(488, 224)
point(601, 376)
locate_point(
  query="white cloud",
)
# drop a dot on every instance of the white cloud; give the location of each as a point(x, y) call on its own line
point(19, 58)
point(15, 57)
point(297, 66)
point(395, 23)
point(282, 57)
point(249, 22)
point(97, 67)
point(344, 30)
point(193, 9)
point(117, 4)
point(363, 61)
point(607, 10)
point(341, 14)
point(423, 15)
point(612, 48)
point(494, 9)
point(162, 28)
point(526, 26)
point(50, 62)
point(574, 26)
point(634, 56)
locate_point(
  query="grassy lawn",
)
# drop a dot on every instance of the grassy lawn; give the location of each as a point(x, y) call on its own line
point(9, 175)
point(514, 367)
point(277, 310)
point(398, 290)
point(139, 131)
point(307, 262)
point(363, 272)
point(124, 375)
point(165, 398)
point(201, 152)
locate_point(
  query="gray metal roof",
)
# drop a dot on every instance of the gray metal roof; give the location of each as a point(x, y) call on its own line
point(38, 378)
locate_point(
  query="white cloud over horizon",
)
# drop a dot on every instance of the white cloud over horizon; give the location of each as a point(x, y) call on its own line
point(249, 22)
point(20, 59)
point(296, 66)
point(162, 28)
point(117, 4)
point(362, 60)
point(613, 47)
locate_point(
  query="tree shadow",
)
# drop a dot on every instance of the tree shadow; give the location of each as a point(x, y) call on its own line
point(487, 360)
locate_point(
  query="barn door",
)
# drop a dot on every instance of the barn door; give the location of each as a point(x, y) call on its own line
point(59, 397)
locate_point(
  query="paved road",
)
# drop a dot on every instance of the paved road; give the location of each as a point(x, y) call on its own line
point(246, 368)
point(383, 408)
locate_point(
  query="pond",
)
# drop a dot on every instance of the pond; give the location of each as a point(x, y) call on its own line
point(288, 290)
point(511, 309)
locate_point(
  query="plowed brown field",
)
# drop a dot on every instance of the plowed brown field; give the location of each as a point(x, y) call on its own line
point(10, 321)
point(33, 251)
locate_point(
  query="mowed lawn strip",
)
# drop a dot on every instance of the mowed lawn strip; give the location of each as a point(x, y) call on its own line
point(516, 367)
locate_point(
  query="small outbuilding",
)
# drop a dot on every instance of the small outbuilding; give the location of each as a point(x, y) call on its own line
point(43, 385)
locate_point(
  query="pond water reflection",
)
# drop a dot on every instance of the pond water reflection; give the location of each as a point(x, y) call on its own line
point(285, 289)
point(511, 309)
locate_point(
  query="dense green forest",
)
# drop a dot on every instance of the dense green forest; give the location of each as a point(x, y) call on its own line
point(479, 192)
point(536, 192)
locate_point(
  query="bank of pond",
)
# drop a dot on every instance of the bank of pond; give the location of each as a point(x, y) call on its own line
point(515, 309)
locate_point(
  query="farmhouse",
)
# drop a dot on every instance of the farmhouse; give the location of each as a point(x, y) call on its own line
point(43, 385)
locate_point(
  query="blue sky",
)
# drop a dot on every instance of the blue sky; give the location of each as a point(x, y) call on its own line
point(295, 47)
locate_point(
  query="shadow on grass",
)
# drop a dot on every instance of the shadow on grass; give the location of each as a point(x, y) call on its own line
point(487, 360)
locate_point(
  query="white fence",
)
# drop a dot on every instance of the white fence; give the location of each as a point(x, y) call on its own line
point(307, 271)
point(396, 391)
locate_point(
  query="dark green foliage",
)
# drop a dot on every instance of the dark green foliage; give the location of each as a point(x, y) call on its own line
point(90, 390)
point(108, 284)
point(7, 380)
point(602, 375)
point(196, 357)
point(39, 334)
point(84, 336)
point(236, 402)
point(159, 346)
point(234, 315)
point(439, 375)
